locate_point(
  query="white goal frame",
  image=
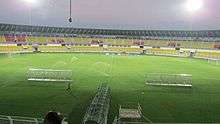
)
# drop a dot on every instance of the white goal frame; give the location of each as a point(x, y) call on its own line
point(163, 79)
point(214, 61)
point(49, 75)
point(131, 114)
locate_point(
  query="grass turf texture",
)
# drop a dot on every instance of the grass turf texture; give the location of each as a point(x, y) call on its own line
point(125, 75)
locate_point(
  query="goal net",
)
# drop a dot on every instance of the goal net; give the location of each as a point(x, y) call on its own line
point(49, 75)
point(131, 114)
point(214, 61)
point(159, 79)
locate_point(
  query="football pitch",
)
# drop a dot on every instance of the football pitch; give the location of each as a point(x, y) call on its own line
point(124, 74)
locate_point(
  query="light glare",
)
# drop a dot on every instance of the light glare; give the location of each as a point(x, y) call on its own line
point(30, 1)
point(194, 5)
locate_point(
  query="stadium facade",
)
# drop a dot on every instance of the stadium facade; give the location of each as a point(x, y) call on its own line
point(25, 38)
point(204, 35)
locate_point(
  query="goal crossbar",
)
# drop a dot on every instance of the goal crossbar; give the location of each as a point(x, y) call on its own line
point(178, 80)
point(49, 75)
point(214, 61)
point(178, 85)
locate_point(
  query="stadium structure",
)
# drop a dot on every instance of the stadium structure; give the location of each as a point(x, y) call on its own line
point(18, 38)
point(171, 75)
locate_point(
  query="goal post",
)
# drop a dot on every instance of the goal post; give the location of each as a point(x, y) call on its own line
point(131, 114)
point(213, 61)
point(49, 75)
point(160, 79)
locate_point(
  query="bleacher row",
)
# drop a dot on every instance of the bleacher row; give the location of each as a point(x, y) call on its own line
point(154, 51)
point(43, 48)
point(110, 41)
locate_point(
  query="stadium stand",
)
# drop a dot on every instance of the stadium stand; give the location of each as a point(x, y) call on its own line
point(2, 38)
point(125, 49)
point(210, 54)
point(158, 51)
point(12, 48)
point(20, 38)
point(217, 46)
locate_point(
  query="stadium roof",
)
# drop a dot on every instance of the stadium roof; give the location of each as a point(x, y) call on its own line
point(6, 28)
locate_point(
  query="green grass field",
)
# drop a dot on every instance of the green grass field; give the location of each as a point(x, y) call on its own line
point(124, 74)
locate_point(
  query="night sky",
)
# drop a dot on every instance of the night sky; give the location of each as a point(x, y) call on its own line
point(121, 14)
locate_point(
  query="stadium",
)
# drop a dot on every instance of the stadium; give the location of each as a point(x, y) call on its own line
point(107, 75)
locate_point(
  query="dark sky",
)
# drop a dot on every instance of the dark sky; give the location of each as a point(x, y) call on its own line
point(123, 14)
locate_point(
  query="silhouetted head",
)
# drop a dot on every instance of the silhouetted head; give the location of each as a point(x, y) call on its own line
point(52, 118)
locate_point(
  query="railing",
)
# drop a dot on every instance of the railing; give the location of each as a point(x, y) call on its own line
point(19, 120)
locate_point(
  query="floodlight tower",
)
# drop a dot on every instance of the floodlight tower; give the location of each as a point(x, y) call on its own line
point(30, 4)
point(70, 18)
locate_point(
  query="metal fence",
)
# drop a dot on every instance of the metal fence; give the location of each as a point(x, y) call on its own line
point(19, 120)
